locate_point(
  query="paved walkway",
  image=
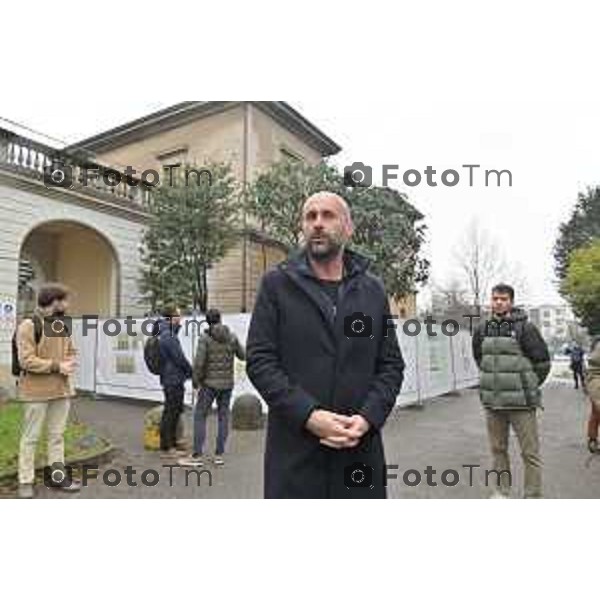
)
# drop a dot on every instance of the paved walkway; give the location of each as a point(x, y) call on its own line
point(447, 434)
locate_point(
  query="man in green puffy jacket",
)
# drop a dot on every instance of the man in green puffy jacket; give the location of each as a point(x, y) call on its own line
point(514, 363)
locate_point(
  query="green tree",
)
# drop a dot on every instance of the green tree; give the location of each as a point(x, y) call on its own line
point(387, 226)
point(389, 232)
point(582, 285)
point(193, 227)
point(278, 194)
point(582, 227)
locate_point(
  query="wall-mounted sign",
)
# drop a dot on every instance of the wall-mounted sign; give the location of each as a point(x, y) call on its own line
point(8, 317)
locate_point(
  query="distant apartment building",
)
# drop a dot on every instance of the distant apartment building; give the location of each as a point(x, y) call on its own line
point(250, 136)
point(557, 323)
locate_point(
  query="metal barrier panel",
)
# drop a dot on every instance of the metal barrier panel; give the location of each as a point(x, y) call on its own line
point(85, 377)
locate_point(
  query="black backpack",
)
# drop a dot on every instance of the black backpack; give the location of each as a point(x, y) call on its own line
point(17, 371)
point(152, 355)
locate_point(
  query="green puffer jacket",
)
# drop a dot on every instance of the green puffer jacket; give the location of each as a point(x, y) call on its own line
point(514, 362)
point(214, 363)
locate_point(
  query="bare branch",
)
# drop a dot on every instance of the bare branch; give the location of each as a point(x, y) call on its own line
point(480, 261)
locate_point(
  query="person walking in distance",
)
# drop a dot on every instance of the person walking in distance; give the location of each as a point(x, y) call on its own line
point(578, 365)
point(514, 363)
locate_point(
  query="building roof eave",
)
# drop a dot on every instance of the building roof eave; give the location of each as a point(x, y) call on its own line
point(186, 112)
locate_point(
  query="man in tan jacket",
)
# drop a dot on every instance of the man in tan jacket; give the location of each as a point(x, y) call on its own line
point(47, 359)
point(592, 389)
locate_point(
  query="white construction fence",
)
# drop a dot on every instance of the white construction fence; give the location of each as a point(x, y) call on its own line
point(114, 365)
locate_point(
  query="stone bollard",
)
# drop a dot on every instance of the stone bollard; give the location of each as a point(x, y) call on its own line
point(152, 431)
point(247, 413)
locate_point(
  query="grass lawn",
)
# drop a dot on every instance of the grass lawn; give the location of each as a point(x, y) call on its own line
point(81, 442)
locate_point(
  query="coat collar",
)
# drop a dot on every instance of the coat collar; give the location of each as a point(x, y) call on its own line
point(298, 269)
point(354, 264)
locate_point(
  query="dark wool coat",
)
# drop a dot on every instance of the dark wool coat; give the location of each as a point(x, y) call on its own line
point(300, 359)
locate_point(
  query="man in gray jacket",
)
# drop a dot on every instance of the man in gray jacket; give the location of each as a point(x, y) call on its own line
point(213, 378)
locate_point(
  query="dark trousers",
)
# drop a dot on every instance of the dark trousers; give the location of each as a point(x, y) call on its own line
point(206, 398)
point(174, 397)
point(578, 376)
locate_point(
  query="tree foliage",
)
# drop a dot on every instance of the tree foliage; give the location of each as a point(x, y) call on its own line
point(581, 229)
point(389, 232)
point(582, 285)
point(193, 227)
point(278, 194)
point(388, 228)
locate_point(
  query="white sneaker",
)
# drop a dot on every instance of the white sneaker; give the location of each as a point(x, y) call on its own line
point(191, 461)
point(497, 495)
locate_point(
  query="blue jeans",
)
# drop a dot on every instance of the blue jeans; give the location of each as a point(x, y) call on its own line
point(206, 398)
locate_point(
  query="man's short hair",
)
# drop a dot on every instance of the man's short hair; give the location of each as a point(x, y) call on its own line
point(169, 311)
point(51, 292)
point(504, 289)
point(213, 317)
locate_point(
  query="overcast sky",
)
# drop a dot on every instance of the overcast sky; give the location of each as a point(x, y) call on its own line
point(550, 148)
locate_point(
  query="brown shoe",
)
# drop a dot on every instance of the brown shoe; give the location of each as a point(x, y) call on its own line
point(169, 454)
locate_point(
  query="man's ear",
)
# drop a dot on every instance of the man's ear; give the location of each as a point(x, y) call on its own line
point(350, 230)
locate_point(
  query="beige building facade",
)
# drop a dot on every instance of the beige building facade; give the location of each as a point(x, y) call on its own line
point(250, 136)
point(89, 237)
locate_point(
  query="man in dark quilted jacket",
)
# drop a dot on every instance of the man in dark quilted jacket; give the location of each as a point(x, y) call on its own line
point(514, 363)
point(214, 379)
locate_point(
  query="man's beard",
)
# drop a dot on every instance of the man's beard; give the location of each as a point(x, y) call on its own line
point(325, 253)
point(59, 314)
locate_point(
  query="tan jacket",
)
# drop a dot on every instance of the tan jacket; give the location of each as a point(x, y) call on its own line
point(592, 378)
point(41, 380)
